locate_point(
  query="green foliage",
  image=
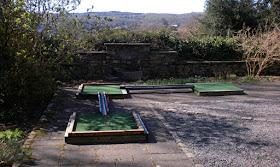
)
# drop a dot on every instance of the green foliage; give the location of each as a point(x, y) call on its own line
point(36, 38)
point(250, 78)
point(268, 11)
point(212, 48)
point(10, 134)
point(229, 16)
point(11, 148)
point(156, 37)
point(11, 151)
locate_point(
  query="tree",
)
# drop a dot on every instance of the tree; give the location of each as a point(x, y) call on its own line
point(268, 11)
point(228, 16)
point(164, 22)
point(35, 38)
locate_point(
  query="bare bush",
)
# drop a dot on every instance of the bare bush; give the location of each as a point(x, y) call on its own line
point(190, 31)
point(261, 48)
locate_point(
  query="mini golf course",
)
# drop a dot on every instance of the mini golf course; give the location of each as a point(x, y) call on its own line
point(95, 122)
point(91, 91)
point(93, 129)
point(216, 89)
point(123, 128)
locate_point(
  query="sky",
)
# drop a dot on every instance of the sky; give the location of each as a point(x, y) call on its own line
point(143, 6)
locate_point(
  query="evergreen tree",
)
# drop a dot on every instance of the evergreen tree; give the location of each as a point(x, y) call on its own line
point(228, 16)
point(268, 11)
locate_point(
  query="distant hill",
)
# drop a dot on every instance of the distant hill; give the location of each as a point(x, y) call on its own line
point(144, 20)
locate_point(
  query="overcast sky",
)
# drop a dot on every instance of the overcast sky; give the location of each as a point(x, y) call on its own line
point(143, 6)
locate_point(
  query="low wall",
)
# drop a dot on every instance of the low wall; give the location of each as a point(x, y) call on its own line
point(153, 64)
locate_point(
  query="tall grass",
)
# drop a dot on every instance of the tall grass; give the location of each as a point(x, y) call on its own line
point(229, 78)
point(172, 81)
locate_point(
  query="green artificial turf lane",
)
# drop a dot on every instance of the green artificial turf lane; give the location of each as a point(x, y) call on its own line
point(93, 90)
point(95, 122)
point(214, 87)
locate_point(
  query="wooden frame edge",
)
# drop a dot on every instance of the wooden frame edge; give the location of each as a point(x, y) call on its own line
point(96, 84)
point(70, 125)
point(80, 89)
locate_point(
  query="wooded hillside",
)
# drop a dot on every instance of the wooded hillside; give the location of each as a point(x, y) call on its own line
point(142, 21)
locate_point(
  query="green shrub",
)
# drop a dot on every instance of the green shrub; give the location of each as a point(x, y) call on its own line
point(211, 48)
point(251, 78)
point(11, 134)
point(11, 151)
point(157, 38)
point(11, 147)
point(24, 91)
point(32, 49)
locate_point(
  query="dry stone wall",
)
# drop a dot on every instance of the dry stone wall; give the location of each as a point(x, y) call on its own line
point(136, 58)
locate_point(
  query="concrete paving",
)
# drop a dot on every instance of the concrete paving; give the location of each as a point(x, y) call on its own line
point(185, 130)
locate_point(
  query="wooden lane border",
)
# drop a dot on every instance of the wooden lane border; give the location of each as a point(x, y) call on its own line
point(105, 83)
point(139, 122)
point(112, 96)
point(85, 137)
point(80, 90)
point(70, 125)
point(219, 92)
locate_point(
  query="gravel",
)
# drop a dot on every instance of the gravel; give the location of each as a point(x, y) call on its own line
point(213, 130)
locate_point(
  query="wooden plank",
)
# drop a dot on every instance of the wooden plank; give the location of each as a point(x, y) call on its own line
point(124, 91)
point(70, 125)
point(116, 96)
point(71, 128)
point(218, 93)
point(106, 133)
point(107, 139)
point(97, 84)
point(137, 121)
point(142, 123)
point(214, 91)
point(80, 89)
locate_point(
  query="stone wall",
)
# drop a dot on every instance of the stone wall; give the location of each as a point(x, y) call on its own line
point(135, 57)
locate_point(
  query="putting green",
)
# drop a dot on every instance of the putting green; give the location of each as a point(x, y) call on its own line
point(214, 87)
point(93, 90)
point(95, 122)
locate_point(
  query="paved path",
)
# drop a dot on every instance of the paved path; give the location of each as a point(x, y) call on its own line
point(185, 130)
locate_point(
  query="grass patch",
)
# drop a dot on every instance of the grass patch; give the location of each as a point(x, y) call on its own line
point(93, 90)
point(95, 122)
point(250, 78)
point(214, 86)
